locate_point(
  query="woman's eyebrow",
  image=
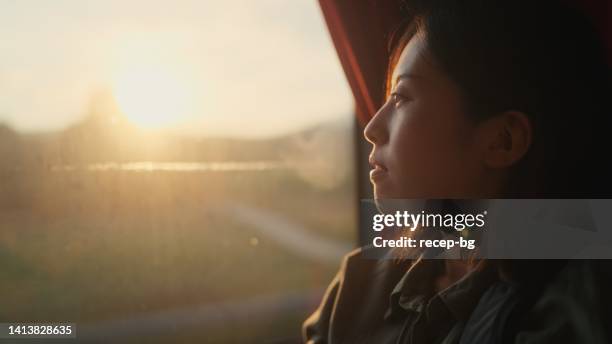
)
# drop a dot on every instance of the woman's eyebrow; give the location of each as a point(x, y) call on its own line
point(407, 76)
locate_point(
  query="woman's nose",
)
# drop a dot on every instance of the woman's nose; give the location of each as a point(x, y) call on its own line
point(375, 131)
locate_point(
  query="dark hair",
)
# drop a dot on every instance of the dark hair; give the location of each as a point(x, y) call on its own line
point(542, 58)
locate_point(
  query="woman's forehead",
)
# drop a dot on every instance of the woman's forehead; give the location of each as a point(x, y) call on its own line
point(412, 62)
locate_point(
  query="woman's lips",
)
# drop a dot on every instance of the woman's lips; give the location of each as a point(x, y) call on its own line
point(378, 171)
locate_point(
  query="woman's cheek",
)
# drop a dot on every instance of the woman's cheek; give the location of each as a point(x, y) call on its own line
point(423, 152)
point(408, 144)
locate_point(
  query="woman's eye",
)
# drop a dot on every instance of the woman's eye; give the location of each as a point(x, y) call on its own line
point(397, 98)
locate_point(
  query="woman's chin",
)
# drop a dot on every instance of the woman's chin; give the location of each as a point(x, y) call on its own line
point(384, 191)
point(388, 192)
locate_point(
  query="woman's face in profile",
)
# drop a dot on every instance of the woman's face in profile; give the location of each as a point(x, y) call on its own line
point(423, 142)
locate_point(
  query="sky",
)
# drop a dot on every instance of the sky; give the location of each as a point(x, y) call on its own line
point(221, 68)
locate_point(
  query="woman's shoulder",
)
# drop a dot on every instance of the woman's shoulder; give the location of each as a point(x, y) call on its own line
point(356, 298)
point(574, 308)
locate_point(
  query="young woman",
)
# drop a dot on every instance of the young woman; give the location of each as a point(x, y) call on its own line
point(486, 99)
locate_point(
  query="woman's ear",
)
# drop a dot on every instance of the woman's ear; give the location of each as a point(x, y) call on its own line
point(505, 139)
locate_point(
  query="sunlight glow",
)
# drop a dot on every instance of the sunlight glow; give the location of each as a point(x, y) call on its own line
point(153, 88)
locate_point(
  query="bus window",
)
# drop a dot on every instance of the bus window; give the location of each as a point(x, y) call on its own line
point(172, 171)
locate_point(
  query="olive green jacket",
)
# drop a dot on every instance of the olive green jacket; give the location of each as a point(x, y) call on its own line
point(387, 301)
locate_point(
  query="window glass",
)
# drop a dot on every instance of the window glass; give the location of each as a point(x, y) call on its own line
point(171, 170)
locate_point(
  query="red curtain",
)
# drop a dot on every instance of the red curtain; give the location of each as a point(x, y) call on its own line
point(359, 30)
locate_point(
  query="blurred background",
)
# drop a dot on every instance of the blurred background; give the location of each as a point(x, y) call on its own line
point(172, 171)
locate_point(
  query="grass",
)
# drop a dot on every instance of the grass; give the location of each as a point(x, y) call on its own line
point(91, 246)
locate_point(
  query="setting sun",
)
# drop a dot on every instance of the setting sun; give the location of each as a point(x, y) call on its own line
point(153, 97)
point(152, 87)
